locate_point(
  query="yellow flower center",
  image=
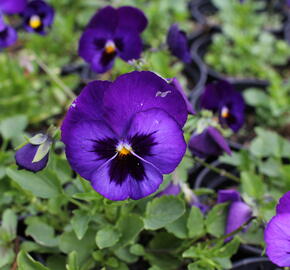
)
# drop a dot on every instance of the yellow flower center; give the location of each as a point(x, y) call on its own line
point(225, 112)
point(35, 21)
point(124, 149)
point(110, 47)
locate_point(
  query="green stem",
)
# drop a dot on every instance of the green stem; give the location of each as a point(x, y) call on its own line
point(54, 77)
point(217, 170)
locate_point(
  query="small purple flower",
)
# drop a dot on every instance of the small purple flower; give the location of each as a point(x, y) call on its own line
point(112, 32)
point(38, 17)
point(277, 234)
point(8, 35)
point(239, 212)
point(208, 143)
point(171, 189)
point(177, 43)
point(124, 135)
point(222, 98)
point(12, 6)
point(175, 82)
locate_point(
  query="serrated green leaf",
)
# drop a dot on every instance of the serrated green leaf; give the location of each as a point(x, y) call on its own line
point(107, 237)
point(162, 211)
point(178, 227)
point(80, 223)
point(195, 223)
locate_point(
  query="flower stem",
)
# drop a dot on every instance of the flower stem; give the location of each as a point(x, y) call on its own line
point(217, 170)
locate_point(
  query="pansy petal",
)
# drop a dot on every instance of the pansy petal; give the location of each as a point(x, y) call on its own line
point(211, 97)
point(129, 45)
point(12, 6)
point(239, 213)
point(88, 144)
point(284, 204)
point(87, 106)
point(171, 189)
point(8, 36)
point(131, 18)
point(139, 91)
point(277, 238)
point(177, 43)
point(25, 155)
point(209, 143)
point(225, 195)
point(164, 136)
point(102, 62)
point(105, 20)
point(106, 182)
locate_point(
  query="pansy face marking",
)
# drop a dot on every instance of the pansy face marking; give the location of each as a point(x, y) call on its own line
point(35, 21)
point(110, 47)
point(225, 112)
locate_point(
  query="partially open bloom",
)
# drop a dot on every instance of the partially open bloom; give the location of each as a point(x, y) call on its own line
point(38, 17)
point(12, 6)
point(177, 43)
point(8, 34)
point(34, 155)
point(222, 98)
point(277, 234)
point(112, 32)
point(208, 143)
point(238, 213)
point(122, 136)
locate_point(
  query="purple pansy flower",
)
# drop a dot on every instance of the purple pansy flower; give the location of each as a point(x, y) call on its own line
point(208, 143)
point(277, 234)
point(12, 6)
point(25, 155)
point(177, 43)
point(239, 212)
point(8, 34)
point(37, 17)
point(112, 32)
point(123, 135)
point(175, 82)
point(222, 98)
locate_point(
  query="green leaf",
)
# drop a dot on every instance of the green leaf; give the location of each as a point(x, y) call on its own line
point(107, 237)
point(256, 97)
point(26, 262)
point(124, 254)
point(44, 184)
point(195, 223)
point(137, 250)
point(229, 249)
point(13, 126)
point(179, 227)
point(252, 184)
point(216, 220)
point(80, 223)
point(162, 211)
point(72, 263)
point(9, 222)
point(42, 233)
point(6, 256)
point(129, 226)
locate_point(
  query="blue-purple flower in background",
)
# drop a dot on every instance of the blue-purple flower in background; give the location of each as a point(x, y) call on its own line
point(238, 213)
point(12, 6)
point(38, 16)
point(110, 33)
point(208, 143)
point(8, 35)
point(222, 98)
point(124, 135)
point(177, 43)
point(277, 234)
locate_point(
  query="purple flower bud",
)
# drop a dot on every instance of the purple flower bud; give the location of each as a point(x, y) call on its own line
point(177, 43)
point(171, 189)
point(208, 143)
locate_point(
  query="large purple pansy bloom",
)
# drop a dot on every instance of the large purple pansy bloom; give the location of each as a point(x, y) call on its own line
point(277, 234)
point(112, 32)
point(122, 136)
point(37, 17)
point(25, 155)
point(208, 143)
point(8, 34)
point(238, 213)
point(12, 6)
point(222, 98)
point(177, 43)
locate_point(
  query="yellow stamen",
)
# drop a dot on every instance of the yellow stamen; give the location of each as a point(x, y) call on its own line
point(124, 151)
point(110, 47)
point(225, 112)
point(35, 21)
